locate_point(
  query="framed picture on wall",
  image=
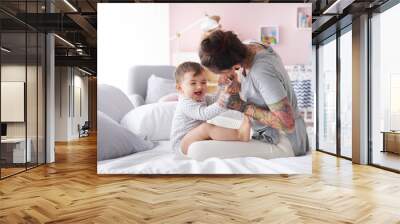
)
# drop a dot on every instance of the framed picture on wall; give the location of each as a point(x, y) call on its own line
point(304, 18)
point(269, 35)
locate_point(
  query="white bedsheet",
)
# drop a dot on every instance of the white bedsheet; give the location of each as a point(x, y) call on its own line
point(161, 160)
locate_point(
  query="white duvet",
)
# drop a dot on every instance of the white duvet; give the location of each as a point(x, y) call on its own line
point(161, 160)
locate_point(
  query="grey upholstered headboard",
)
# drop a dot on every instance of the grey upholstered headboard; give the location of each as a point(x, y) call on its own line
point(137, 79)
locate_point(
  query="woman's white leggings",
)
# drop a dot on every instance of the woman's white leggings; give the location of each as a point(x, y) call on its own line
point(231, 149)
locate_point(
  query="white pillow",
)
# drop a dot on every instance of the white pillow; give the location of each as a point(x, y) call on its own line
point(169, 97)
point(158, 87)
point(151, 121)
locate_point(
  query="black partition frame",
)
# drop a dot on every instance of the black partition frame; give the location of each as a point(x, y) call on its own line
point(30, 29)
point(333, 37)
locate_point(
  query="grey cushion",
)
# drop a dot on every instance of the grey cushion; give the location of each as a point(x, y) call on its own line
point(113, 102)
point(139, 75)
point(114, 141)
point(136, 100)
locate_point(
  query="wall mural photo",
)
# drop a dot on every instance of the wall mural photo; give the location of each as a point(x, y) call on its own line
point(198, 91)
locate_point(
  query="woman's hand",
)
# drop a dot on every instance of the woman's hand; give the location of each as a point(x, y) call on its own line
point(226, 78)
point(229, 83)
point(233, 87)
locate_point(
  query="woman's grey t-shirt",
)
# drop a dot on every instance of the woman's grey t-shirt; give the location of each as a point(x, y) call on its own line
point(268, 83)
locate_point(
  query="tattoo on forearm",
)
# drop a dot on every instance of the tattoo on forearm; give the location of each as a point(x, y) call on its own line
point(236, 103)
point(280, 115)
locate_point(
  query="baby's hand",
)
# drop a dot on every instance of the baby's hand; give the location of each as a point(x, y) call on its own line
point(223, 99)
point(223, 81)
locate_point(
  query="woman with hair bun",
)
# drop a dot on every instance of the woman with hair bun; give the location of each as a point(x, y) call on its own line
point(256, 83)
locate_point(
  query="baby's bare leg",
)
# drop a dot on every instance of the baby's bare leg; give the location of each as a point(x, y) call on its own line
point(207, 131)
point(198, 133)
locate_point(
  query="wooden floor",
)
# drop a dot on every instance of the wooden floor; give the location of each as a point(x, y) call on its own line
point(70, 191)
point(386, 159)
point(10, 171)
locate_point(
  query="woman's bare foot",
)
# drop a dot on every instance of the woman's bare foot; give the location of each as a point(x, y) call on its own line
point(244, 130)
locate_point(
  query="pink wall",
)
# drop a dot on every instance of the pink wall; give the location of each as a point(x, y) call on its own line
point(245, 19)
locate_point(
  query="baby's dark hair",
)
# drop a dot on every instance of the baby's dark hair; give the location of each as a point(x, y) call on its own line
point(185, 67)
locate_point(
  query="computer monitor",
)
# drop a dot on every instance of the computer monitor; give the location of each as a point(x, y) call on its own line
point(3, 129)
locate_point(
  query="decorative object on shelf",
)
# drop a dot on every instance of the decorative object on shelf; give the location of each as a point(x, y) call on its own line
point(304, 18)
point(269, 35)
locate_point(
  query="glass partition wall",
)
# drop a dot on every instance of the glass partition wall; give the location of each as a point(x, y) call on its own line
point(22, 77)
point(327, 96)
point(13, 110)
point(334, 90)
point(385, 90)
point(346, 94)
point(334, 94)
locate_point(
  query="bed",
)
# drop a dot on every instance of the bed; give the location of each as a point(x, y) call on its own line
point(161, 159)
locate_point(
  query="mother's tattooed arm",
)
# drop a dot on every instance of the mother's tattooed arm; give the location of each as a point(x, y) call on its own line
point(279, 115)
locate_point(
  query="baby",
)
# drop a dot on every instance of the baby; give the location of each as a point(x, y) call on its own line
point(195, 108)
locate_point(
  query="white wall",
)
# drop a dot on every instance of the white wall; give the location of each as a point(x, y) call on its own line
point(128, 35)
point(61, 103)
point(66, 101)
point(80, 82)
point(12, 73)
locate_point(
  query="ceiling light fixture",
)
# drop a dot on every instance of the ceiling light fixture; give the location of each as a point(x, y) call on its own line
point(79, 51)
point(84, 71)
point(5, 50)
point(64, 40)
point(338, 6)
point(328, 10)
point(70, 5)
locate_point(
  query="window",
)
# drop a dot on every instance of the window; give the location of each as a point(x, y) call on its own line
point(327, 97)
point(385, 89)
point(346, 94)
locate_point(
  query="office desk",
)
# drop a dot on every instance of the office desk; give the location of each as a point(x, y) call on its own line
point(391, 141)
point(13, 150)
